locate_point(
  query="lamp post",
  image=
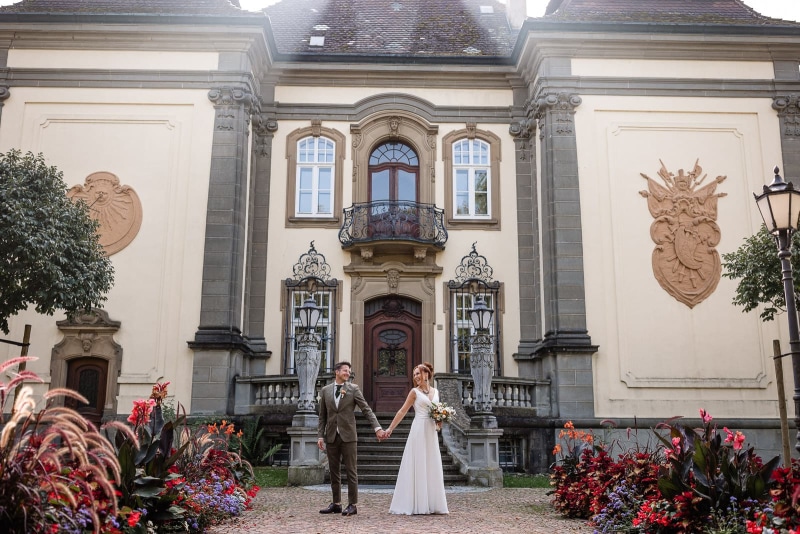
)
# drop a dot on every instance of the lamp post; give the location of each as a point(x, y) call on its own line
point(308, 355)
point(481, 357)
point(779, 205)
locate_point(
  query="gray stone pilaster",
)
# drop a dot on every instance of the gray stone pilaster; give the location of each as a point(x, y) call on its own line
point(264, 127)
point(523, 130)
point(788, 108)
point(218, 342)
point(564, 306)
point(564, 354)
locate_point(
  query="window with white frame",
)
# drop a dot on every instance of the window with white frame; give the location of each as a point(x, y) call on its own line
point(471, 179)
point(462, 328)
point(315, 177)
point(325, 299)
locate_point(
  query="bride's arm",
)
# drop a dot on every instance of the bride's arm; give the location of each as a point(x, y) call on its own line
point(412, 396)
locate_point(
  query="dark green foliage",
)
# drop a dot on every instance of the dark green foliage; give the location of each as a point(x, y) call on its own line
point(50, 255)
point(757, 267)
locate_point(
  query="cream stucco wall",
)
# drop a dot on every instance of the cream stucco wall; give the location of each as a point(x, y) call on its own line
point(288, 244)
point(351, 95)
point(159, 143)
point(666, 68)
point(111, 59)
point(658, 357)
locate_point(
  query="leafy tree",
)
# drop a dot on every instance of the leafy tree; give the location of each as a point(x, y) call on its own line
point(758, 269)
point(50, 255)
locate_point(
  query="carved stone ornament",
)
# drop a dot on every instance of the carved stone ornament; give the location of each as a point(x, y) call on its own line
point(788, 108)
point(392, 280)
point(311, 264)
point(116, 207)
point(685, 260)
point(560, 109)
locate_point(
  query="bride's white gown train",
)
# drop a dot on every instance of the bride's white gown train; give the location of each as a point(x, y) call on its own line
point(420, 482)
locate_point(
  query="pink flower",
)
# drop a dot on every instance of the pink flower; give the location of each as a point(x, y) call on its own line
point(729, 437)
point(140, 415)
point(705, 416)
point(738, 441)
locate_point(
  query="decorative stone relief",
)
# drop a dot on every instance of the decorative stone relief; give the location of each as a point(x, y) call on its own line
point(392, 280)
point(560, 108)
point(225, 99)
point(685, 262)
point(471, 127)
point(116, 207)
point(316, 127)
point(394, 126)
point(788, 108)
point(264, 127)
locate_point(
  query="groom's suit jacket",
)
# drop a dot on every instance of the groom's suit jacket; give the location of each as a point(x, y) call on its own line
point(342, 417)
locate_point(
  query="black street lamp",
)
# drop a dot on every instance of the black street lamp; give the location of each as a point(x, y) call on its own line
point(779, 205)
point(310, 314)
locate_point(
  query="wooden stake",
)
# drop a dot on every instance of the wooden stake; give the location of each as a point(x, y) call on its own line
point(777, 358)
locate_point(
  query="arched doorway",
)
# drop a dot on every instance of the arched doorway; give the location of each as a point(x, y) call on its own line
point(392, 347)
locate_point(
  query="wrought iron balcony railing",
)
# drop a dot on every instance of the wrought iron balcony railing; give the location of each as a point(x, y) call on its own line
point(393, 220)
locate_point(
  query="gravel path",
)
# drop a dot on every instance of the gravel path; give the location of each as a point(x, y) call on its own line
point(472, 511)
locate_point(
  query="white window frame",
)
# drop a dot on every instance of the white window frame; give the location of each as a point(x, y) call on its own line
point(476, 161)
point(317, 160)
point(462, 323)
point(324, 327)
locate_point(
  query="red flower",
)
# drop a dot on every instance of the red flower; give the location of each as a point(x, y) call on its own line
point(133, 519)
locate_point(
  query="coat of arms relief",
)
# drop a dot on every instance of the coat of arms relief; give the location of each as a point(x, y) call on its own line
point(685, 260)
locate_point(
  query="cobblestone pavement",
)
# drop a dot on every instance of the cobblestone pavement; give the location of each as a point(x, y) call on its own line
point(472, 511)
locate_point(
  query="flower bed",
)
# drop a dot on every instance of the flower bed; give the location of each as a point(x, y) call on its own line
point(695, 481)
point(59, 473)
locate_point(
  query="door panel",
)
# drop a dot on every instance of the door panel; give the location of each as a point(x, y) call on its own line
point(88, 377)
point(392, 348)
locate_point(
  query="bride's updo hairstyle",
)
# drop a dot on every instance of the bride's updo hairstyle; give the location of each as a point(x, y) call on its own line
point(426, 368)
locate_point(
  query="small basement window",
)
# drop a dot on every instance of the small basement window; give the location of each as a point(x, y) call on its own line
point(317, 40)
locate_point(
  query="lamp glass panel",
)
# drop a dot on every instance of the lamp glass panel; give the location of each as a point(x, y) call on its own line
point(765, 207)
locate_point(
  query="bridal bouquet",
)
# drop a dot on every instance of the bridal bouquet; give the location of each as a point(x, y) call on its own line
point(441, 412)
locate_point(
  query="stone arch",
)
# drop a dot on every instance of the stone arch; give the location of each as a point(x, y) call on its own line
point(394, 126)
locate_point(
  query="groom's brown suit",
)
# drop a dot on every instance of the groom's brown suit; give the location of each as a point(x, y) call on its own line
point(337, 426)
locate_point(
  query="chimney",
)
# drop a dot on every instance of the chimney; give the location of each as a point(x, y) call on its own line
point(516, 12)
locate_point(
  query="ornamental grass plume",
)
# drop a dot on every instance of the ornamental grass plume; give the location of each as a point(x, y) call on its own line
point(49, 459)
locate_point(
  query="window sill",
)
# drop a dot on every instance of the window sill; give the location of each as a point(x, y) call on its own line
point(479, 224)
point(313, 222)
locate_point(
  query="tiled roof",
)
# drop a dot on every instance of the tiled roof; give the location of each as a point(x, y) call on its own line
point(418, 28)
point(714, 12)
point(123, 7)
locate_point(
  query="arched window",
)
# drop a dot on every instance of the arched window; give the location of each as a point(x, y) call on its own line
point(393, 173)
point(315, 167)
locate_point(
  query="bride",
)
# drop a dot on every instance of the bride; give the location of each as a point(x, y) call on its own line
point(420, 482)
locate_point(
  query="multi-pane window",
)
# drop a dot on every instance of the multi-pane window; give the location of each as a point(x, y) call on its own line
point(315, 175)
point(325, 327)
point(462, 328)
point(472, 181)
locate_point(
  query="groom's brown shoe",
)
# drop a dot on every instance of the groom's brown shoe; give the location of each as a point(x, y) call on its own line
point(332, 509)
point(350, 510)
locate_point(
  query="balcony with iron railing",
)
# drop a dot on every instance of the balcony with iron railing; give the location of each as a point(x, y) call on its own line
point(394, 225)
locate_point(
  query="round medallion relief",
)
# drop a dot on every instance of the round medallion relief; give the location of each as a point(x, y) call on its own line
point(116, 207)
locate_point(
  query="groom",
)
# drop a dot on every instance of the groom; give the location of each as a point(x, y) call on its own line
point(337, 435)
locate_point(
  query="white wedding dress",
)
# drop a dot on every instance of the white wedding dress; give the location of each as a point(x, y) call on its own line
point(420, 482)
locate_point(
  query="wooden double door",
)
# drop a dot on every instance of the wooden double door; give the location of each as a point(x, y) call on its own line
point(392, 347)
point(88, 377)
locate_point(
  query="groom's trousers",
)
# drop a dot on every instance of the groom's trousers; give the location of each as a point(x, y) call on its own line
point(338, 452)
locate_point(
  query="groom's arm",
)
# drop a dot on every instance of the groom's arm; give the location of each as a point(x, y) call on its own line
point(323, 422)
point(367, 411)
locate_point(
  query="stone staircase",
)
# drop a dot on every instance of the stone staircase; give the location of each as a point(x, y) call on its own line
point(379, 462)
